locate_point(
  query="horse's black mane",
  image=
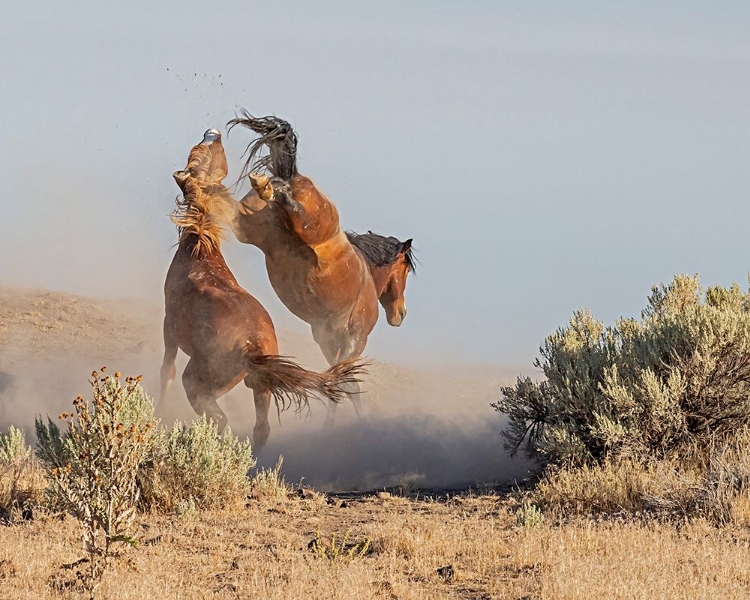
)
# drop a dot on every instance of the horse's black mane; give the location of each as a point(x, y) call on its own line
point(275, 134)
point(380, 250)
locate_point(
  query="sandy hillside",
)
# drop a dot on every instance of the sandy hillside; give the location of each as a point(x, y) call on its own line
point(422, 427)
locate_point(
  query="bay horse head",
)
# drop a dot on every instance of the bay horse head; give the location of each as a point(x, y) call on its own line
point(390, 261)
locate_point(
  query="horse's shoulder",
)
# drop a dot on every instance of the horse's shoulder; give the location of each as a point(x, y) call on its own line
point(307, 193)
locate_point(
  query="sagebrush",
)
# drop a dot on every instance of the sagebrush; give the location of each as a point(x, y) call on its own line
point(194, 464)
point(93, 464)
point(13, 446)
point(22, 480)
point(675, 381)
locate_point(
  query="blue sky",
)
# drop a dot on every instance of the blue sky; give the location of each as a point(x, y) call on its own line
point(543, 157)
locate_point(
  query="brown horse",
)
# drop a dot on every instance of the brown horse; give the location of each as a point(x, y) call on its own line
point(227, 333)
point(330, 279)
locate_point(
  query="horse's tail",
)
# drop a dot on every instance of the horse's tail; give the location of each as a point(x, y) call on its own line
point(280, 139)
point(290, 384)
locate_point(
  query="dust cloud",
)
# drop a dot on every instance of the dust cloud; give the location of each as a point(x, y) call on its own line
point(421, 428)
point(409, 451)
point(426, 427)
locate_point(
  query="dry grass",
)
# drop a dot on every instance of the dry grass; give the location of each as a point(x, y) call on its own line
point(716, 488)
point(308, 545)
point(267, 549)
point(22, 485)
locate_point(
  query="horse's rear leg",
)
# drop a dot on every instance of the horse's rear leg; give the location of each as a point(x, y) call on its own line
point(262, 429)
point(203, 390)
point(353, 392)
point(168, 368)
point(335, 349)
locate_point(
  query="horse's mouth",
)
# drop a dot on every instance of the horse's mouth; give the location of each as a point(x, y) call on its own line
point(397, 319)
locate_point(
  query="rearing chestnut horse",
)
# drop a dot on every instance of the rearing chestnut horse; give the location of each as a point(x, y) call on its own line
point(328, 278)
point(227, 333)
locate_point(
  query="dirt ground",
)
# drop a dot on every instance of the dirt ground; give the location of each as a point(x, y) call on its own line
point(418, 540)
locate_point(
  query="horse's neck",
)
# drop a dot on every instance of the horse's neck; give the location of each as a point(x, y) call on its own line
point(201, 261)
point(380, 277)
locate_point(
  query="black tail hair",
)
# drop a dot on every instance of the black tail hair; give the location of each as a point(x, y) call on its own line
point(280, 139)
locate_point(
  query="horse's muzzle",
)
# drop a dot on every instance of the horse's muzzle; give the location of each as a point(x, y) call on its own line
point(398, 317)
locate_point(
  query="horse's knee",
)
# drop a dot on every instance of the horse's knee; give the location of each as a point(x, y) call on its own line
point(168, 371)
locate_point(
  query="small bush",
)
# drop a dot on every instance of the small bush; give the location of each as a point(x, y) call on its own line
point(193, 463)
point(22, 480)
point(186, 509)
point(529, 516)
point(677, 379)
point(13, 447)
point(93, 465)
point(338, 550)
point(269, 484)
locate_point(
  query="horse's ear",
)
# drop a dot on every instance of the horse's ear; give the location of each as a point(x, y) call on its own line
point(180, 177)
point(406, 246)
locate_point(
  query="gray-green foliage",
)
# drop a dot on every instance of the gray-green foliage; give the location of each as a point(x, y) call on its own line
point(193, 463)
point(114, 445)
point(22, 481)
point(13, 447)
point(529, 516)
point(270, 483)
point(678, 377)
point(93, 464)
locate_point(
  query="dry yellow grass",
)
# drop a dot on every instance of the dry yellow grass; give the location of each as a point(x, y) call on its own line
point(262, 547)
point(263, 550)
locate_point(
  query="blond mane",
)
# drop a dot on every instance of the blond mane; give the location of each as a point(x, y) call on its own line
point(201, 210)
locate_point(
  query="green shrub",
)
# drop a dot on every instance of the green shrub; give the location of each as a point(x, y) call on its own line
point(114, 454)
point(13, 447)
point(529, 516)
point(677, 380)
point(194, 464)
point(93, 465)
point(22, 480)
point(270, 484)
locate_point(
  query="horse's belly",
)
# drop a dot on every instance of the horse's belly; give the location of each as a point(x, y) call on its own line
point(314, 294)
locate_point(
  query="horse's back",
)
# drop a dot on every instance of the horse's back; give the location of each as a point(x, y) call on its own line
point(222, 314)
